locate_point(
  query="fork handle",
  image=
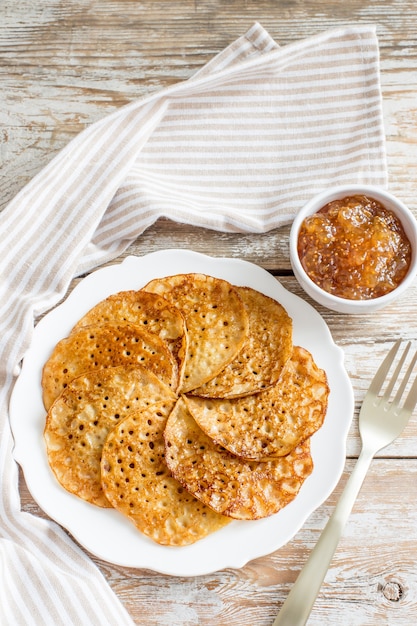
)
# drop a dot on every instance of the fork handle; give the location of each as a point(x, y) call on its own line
point(297, 607)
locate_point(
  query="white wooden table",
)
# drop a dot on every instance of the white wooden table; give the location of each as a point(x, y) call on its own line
point(67, 63)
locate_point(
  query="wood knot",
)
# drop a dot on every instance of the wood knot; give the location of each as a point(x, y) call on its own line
point(393, 591)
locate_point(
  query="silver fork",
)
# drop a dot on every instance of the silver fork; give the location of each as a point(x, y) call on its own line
point(381, 421)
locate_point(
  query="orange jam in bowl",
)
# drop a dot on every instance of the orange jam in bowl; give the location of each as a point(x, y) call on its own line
point(354, 248)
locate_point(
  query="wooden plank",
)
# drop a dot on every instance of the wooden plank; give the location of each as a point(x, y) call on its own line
point(65, 65)
point(372, 580)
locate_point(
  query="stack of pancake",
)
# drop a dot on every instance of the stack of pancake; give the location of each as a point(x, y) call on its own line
point(183, 405)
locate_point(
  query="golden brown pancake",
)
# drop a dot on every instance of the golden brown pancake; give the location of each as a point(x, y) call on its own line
point(79, 421)
point(106, 345)
point(216, 321)
point(147, 310)
point(272, 422)
point(266, 350)
point(137, 482)
point(240, 489)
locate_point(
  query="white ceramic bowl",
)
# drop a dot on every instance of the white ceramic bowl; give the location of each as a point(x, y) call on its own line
point(343, 305)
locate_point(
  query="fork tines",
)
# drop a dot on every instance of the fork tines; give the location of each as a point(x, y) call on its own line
point(381, 375)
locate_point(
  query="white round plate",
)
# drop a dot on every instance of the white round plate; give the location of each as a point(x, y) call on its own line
point(105, 532)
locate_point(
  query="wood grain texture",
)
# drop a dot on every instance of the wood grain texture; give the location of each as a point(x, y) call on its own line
point(372, 579)
point(65, 64)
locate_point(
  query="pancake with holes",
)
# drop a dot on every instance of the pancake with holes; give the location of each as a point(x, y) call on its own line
point(137, 482)
point(216, 321)
point(272, 422)
point(106, 345)
point(266, 350)
point(79, 421)
point(244, 490)
point(147, 310)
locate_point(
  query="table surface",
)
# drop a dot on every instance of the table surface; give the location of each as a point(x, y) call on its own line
point(65, 64)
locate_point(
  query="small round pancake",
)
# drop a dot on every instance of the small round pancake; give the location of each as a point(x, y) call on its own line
point(216, 321)
point(264, 354)
point(137, 482)
point(79, 421)
point(141, 308)
point(106, 345)
point(240, 489)
point(272, 422)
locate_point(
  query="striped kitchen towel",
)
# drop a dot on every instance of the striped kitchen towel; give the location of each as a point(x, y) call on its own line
point(238, 148)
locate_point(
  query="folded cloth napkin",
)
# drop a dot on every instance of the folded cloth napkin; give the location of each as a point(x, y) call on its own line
point(238, 148)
